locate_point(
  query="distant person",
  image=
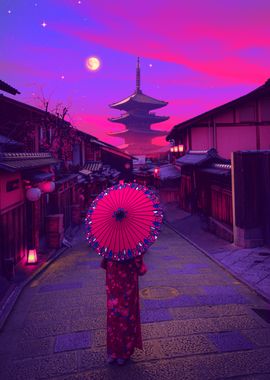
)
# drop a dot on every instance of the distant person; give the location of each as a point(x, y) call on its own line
point(123, 310)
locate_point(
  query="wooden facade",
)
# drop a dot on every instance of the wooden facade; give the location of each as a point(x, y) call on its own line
point(185, 193)
point(221, 204)
point(240, 125)
point(38, 132)
point(251, 185)
point(13, 235)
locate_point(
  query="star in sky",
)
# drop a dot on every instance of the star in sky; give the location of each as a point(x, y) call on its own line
point(235, 62)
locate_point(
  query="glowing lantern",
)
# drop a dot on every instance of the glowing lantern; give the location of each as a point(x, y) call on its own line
point(181, 148)
point(33, 194)
point(156, 171)
point(47, 187)
point(32, 257)
point(171, 149)
point(175, 149)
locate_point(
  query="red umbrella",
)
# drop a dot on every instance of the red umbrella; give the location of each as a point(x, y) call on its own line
point(123, 221)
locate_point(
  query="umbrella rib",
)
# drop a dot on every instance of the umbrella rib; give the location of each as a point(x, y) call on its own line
point(142, 212)
point(144, 225)
point(109, 237)
point(102, 208)
point(106, 206)
point(142, 230)
point(129, 242)
point(125, 196)
point(137, 236)
point(116, 235)
point(101, 230)
point(125, 234)
point(143, 203)
point(140, 227)
point(112, 200)
point(126, 203)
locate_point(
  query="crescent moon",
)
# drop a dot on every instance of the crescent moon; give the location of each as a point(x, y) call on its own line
point(92, 63)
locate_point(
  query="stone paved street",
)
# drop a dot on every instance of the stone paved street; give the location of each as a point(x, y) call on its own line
point(198, 321)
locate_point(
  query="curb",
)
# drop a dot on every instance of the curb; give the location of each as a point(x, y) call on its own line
point(11, 300)
point(235, 275)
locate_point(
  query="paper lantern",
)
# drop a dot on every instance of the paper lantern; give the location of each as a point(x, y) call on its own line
point(181, 148)
point(175, 149)
point(32, 257)
point(156, 172)
point(33, 194)
point(47, 187)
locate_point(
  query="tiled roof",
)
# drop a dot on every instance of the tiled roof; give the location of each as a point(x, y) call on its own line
point(219, 169)
point(13, 162)
point(38, 176)
point(151, 118)
point(196, 157)
point(259, 91)
point(93, 166)
point(113, 149)
point(149, 132)
point(66, 178)
point(139, 98)
point(7, 88)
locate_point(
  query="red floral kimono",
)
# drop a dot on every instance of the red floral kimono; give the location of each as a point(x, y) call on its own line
point(123, 310)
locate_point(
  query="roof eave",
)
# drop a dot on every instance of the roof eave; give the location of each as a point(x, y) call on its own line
point(220, 108)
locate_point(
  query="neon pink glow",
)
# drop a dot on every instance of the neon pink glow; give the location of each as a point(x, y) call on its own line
point(195, 55)
point(32, 256)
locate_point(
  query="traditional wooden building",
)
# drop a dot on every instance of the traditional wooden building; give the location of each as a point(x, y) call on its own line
point(241, 124)
point(43, 148)
point(206, 187)
point(138, 119)
point(22, 221)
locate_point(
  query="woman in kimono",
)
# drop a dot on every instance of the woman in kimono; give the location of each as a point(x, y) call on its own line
point(123, 310)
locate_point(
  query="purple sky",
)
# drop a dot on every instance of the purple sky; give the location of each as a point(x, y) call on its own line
point(194, 54)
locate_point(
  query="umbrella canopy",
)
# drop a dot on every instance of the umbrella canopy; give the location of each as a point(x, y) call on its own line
point(123, 221)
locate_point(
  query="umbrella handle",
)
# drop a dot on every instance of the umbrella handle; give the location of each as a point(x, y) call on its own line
point(104, 263)
point(141, 267)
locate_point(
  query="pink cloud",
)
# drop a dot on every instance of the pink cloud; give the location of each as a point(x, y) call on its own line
point(203, 36)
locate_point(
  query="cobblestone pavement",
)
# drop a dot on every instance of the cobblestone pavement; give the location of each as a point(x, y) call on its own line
point(251, 265)
point(198, 322)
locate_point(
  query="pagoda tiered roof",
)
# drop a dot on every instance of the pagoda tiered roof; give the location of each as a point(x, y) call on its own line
point(138, 119)
point(129, 118)
point(149, 132)
point(139, 99)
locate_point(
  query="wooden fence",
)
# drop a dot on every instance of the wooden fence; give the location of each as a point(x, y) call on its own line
point(221, 204)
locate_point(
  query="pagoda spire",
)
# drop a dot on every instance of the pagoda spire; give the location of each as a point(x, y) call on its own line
point(138, 76)
point(138, 119)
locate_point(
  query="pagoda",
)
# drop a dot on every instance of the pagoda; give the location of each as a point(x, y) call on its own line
point(137, 119)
